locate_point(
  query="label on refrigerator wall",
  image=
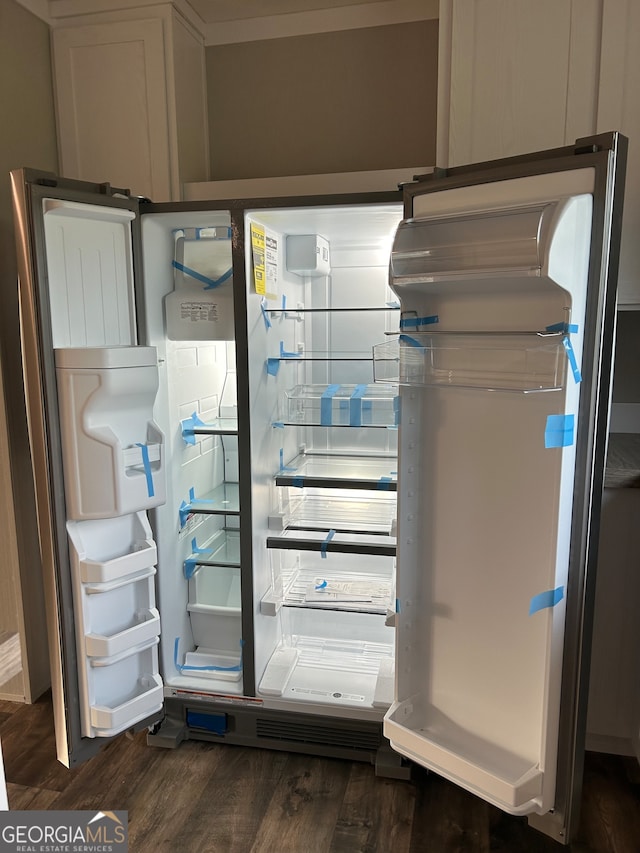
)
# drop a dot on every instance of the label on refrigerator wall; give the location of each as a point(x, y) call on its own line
point(264, 254)
point(334, 694)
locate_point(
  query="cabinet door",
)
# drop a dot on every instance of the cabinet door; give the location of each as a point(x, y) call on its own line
point(515, 76)
point(618, 108)
point(110, 77)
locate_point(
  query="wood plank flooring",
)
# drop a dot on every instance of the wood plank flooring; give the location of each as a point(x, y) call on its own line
point(210, 798)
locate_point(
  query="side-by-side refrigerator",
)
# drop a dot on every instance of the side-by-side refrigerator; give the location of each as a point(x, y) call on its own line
point(323, 474)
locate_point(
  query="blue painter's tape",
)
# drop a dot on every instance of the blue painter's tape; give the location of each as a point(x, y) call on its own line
point(273, 366)
point(194, 500)
point(196, 550)
point(186, 668)
point(285, 354)
point(393, 304)
point(187, 432)
point(188, 425)
point(322, 585)
point(277, 425)
point(407, 339)
point(397, 605)
point(284, 468)
point(415, 322)
point(384, 483)
point(559, 431)
point(209, 283)
point(184, 511)
point(323, 547)
point(147, 468)
point(326, 404)
point(298, 482)
point(265, 316)
point(355, 405)
point(284, 303)
point(562, 327)
point(566, 343)
point(190, 567)
point(218, 281)
point(548, 598)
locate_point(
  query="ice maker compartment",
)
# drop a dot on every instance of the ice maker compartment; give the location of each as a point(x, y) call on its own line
point(113, 451)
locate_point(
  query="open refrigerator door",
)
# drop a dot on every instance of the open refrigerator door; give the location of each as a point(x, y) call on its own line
point(503, 361)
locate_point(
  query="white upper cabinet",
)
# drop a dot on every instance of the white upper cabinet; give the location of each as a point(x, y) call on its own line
point(516, 76)
point(131, 100)
point(618, 110)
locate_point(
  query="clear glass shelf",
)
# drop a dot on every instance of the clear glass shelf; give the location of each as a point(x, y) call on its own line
point(207, 423)
point(522, 361)
point(342, 543)
point(221, 549)
point(368, 513)
point(339, 590)
point(329, 471)
point(223, 500)
point(218, 426)
point(359, 310)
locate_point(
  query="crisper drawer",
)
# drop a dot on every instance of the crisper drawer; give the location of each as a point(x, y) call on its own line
point(341, 405)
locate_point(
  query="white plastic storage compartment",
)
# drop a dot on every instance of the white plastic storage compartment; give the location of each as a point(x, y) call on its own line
point(123, 689)
point(112, 448)
point(332, 659)
point(215, 610)
point(117, 624)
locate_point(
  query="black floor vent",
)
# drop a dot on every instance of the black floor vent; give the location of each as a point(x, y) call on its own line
point(319, 734)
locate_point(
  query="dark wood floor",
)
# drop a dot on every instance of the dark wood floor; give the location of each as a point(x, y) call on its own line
point(225, 799)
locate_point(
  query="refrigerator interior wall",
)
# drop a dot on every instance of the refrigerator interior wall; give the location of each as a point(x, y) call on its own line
point(189, 318)
point(106, 389)
point(324, 457)
point(485, 505)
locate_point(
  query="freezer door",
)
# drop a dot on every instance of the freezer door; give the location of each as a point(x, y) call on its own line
point(96, 454)
point(506, 276)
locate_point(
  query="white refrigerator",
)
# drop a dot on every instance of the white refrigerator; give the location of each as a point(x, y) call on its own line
point(323, 473)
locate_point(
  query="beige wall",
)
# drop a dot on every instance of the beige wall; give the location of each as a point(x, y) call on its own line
point(27, 138)
point(331, 102)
